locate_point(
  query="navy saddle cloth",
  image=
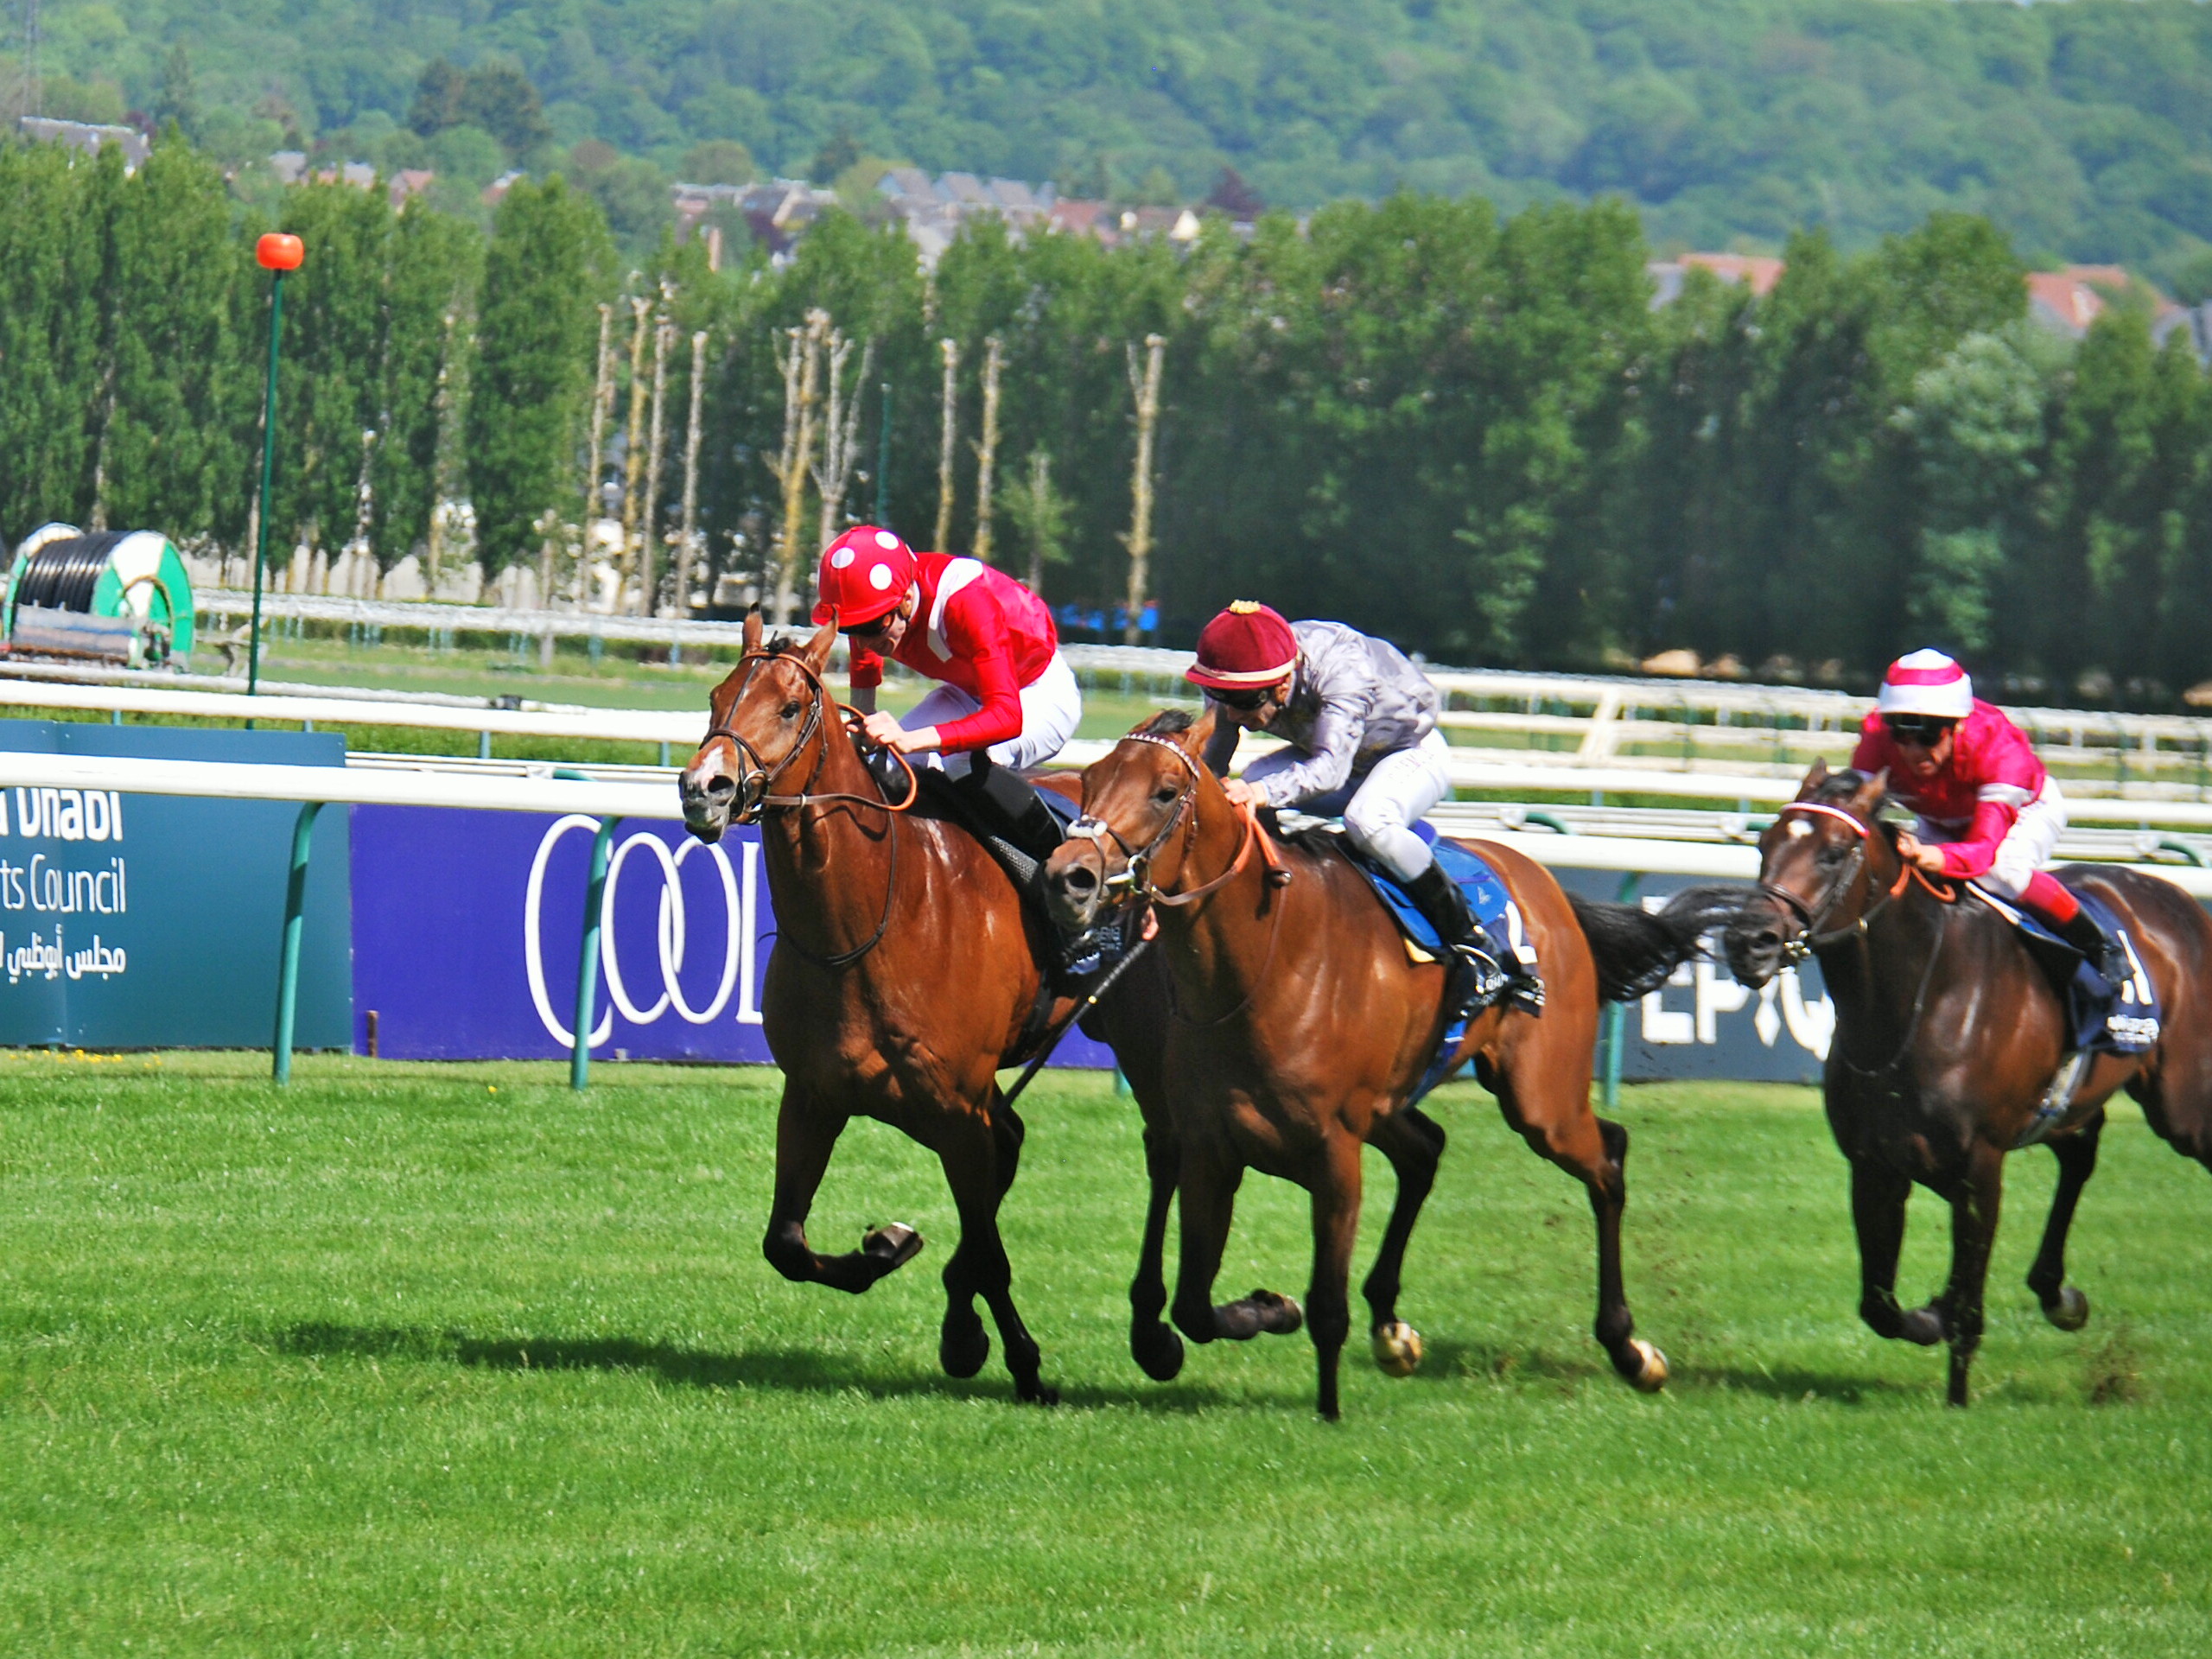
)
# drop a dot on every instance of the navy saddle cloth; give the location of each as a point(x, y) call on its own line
point(2101, 1017)
point(1505, 939)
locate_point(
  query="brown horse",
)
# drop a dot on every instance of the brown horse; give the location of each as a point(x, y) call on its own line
point(903, 977)
point(1948, 1039)
point(1298, 1030)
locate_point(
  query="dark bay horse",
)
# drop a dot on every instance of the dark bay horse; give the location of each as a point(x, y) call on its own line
point(1299, 1028)
point(902, 980)
point(1948, 1036)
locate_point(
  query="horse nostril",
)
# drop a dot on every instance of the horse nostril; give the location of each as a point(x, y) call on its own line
point(722, 784)
point(1079, 881)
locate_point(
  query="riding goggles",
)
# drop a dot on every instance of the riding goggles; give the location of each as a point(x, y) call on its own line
point(1245, 702)
point(1921, 731)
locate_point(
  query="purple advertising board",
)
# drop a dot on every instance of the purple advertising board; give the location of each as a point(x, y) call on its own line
point(467, 927)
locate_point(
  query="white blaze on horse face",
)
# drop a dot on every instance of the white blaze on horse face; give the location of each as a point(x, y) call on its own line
point(1799, 826)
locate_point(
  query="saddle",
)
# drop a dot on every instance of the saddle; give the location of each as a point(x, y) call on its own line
point(1513, 975)
point(2102, 1017)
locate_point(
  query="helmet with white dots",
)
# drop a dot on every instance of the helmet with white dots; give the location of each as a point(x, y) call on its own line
point(865, 573)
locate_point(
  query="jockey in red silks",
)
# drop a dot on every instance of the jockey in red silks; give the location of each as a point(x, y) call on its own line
point(1988, 812)
point(1005, 692)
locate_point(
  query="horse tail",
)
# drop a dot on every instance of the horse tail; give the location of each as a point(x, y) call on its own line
point(1635, 948)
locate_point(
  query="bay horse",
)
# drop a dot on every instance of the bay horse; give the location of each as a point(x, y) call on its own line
point(1299, 1029)
point(904, 976)
point(1948, 1037)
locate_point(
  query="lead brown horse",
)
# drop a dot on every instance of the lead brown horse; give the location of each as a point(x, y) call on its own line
point(904, 978)
point(1299, 1031)
point(1948, 1039)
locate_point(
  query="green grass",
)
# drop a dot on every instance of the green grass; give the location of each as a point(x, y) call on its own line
point(444, 1360)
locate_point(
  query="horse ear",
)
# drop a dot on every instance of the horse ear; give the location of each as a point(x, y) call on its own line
point(1814, 780)
point(1872, 792)
point(1200, 732)
point(817, 649)
point(753, 628)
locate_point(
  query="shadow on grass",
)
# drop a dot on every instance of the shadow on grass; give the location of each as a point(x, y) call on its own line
point(781, 1369)
point(1449, 1360)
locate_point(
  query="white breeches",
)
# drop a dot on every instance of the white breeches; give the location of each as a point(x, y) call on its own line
point(2027, 846)
point(1380, 808)
point(1052, 708)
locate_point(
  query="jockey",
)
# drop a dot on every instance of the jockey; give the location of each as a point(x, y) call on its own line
point(1988, 812)
point(1360, 722)
point(1005, 692)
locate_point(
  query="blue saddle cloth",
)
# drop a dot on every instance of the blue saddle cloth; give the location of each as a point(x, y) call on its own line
point(2101, 1017)
point(1506, 939)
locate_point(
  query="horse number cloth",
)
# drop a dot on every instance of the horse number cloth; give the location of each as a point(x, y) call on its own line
point(1504, 936)
point(2101, 1018)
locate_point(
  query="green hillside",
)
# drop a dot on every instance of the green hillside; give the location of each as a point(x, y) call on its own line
point(2085, 130)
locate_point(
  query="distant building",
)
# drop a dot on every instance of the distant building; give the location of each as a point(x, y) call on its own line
point(776, 213)
point(1757, 272)
point(89, 138)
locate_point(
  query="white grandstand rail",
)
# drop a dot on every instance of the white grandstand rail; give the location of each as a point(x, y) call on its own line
point(338, 785)
point(632, 725)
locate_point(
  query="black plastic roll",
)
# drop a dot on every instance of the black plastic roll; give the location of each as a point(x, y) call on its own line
point(61, 575)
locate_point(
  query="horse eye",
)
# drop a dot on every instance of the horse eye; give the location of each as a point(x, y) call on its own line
point(1165, 795)
point(1831, 857)
point(791, 711)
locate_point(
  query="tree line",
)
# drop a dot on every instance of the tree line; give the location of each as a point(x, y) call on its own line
point(1470, 432)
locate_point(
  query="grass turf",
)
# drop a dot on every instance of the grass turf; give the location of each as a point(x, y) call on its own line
point(414, 1359)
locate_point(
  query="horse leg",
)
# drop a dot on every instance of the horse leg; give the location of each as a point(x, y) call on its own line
point(1335, 1194)
point(806, 1133)
point(2063, 1306)
point(1413, 1142)
point(1556, 1121)
point(1973, 1226)
point(980, 1158)
point(1877, 1201)
point(1206, 1199)
point(1153, 1341)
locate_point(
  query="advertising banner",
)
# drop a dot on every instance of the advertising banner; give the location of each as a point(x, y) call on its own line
point(153, 921)
point(467, 926)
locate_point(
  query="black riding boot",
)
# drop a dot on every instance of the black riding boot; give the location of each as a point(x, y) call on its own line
point(1440, 900)
point(2099, 947)
point(1012, 802)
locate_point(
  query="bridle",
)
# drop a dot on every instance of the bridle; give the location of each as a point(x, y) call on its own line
point(760, 776)
point(756, 782)
point(1136, 875)
point(1136, 872)
point(1811, 919)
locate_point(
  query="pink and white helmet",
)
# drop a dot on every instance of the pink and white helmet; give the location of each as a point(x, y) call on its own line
point(1927, 682)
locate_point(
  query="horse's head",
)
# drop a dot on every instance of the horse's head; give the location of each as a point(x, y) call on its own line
point(1151, 785)
point(772, 709)
point(1814, 862)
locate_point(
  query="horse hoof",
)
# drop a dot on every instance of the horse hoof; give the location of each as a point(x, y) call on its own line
point(1279, 1315)
point(1033, 1393)
point(962, 1346)
point(891, 1247)
point(1651, 1368)
point(1157, 1351)
point(1397, 1348)
point(2069, 1310)
point(1923, 1326)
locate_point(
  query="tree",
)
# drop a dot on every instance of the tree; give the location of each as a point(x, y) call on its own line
point(437, 99)
point(176, 98)
point(550, 262)
point(498, 98)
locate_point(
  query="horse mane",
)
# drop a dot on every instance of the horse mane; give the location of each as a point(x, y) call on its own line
point(1168, 722)
point(1839, 788)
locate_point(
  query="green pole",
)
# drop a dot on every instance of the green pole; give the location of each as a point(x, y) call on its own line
point(288, 965)
point(268, 472)
point(1616, 1015)
point(587, 955)
point(883, 462)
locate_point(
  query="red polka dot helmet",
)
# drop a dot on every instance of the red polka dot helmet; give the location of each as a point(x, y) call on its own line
point(865, 572)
